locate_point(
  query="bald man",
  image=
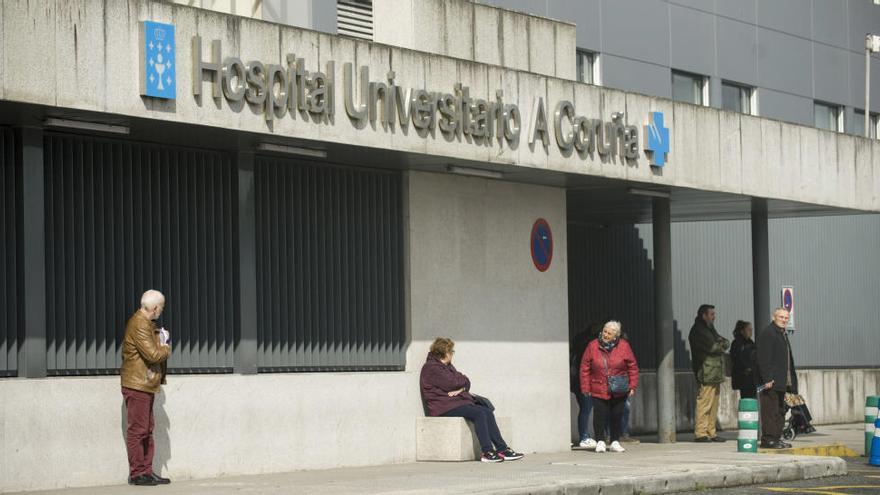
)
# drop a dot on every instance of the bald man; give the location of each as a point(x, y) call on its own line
point(775, 369)
point(144, 357)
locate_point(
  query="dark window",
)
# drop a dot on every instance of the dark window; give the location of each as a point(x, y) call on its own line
point(687, 87)
point(10, 253)
point(736, 97)
point(827, 116)
point(329, 267)
point(585, 66)
point(123, 217)
point(858, 127)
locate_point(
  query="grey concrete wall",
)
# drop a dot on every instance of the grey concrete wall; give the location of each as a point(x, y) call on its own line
point(65, 432)
point(472, 279)
point(832, 395)
point(471, 31)
point(793, 51)
point(819, 167)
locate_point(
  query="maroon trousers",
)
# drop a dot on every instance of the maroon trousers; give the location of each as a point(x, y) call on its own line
point(139, 431)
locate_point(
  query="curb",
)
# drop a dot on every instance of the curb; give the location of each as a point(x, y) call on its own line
point(797, 469)
point(833, 450)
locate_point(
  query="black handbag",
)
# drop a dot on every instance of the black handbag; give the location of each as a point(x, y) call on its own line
point(617, 384)
point(482, 401)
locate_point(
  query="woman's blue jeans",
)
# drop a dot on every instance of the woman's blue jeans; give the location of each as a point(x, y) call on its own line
point(585, 406)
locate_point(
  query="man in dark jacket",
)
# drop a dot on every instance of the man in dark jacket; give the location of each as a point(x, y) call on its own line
point(707, 359)
point(776, 372)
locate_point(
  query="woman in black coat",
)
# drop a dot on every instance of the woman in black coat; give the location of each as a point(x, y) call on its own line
point(743, 353)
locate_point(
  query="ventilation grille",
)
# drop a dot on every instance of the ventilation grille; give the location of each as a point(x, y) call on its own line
point(329, 268)
point(10, 254)
point(122, 217)
point(355, 19)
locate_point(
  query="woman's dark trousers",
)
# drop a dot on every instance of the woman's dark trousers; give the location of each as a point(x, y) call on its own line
point(484, 424)
point(607, 411)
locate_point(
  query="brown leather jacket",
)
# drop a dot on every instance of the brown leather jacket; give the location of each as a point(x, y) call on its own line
point(143, 358)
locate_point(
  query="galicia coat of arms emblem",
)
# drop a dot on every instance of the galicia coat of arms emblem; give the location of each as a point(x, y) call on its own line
point(158, 60)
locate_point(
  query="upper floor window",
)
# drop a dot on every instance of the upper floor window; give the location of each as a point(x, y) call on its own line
point(827, 116)
point(858, 124)
point(587, 68)
point(691, 88)
point(737, 98)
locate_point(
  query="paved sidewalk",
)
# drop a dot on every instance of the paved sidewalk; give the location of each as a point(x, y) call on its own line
point(645, 468)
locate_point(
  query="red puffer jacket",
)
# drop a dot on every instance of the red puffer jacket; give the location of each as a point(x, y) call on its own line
point(621, 361)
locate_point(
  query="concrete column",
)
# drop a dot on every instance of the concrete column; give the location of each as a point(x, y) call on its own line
point(32, 348)
point(760, 262)
point(246, 348)
point(663, 320)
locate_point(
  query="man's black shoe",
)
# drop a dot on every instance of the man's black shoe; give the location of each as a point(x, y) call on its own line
point(701, 439)
point(718, 439)
point(142, 480)
point(160, 480)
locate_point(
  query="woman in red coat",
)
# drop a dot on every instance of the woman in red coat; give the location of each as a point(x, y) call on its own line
point(609, 361)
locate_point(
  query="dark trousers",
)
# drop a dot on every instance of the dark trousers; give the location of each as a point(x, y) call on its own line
point(609, 412)
point(772, 415)
point(748, 393)
point(585, 406)
point(139, 431)
point(484, 423)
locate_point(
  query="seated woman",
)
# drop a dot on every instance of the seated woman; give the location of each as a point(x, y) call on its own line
point(609, 374)
point(446, 393)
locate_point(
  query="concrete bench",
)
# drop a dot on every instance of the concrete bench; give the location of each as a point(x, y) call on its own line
point(452, 439)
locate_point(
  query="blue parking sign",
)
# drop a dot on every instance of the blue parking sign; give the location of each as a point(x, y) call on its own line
point(158, 60)
point(541, 243)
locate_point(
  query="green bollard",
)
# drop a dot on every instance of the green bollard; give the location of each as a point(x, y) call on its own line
point(871, 403)
point(747, 419)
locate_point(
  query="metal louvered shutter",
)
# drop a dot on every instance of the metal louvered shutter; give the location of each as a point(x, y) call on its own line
point(329, 267)
point(355, 18)
point(10, 253)
point(123, 217)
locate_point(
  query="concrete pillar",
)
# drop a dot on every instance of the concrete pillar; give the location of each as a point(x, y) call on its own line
point(246, 349)
point(663, 320)
point(760, 262)
point(32, 348)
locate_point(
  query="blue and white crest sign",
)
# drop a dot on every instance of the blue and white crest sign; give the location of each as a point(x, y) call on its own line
point(158, 61)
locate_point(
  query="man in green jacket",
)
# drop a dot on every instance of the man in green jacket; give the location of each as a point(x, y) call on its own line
point(707, 359)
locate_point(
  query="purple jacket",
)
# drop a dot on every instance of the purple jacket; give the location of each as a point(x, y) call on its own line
point(436, 380)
